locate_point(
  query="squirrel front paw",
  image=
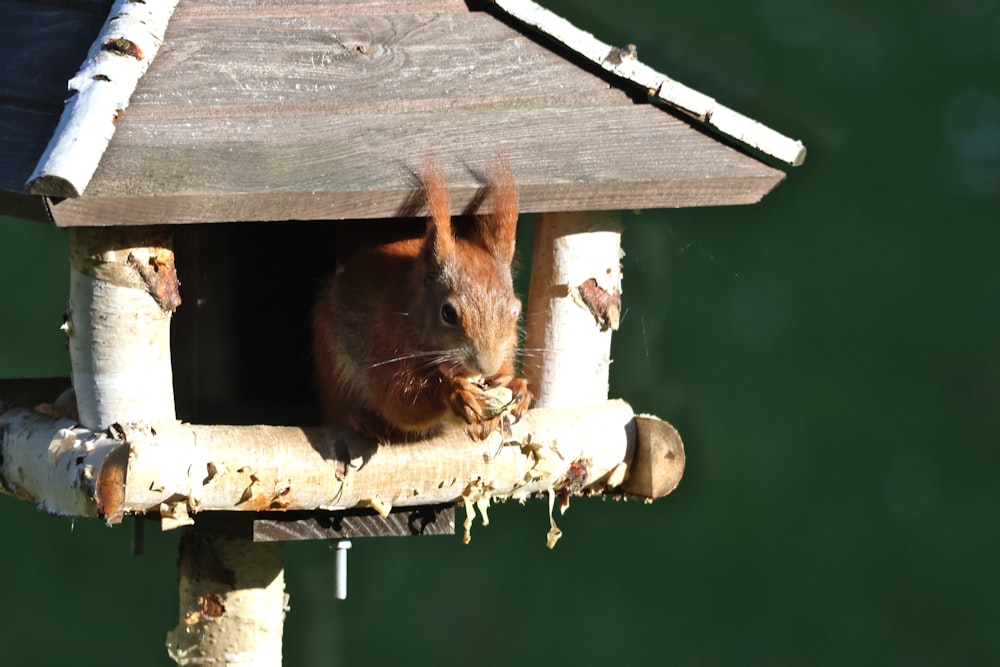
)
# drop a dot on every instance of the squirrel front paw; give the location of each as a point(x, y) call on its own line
point(520, 399)
point(489, 404)
point(470, 401)
point(467, 400)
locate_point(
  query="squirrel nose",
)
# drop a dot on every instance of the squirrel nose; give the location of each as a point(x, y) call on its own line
point(488, 363)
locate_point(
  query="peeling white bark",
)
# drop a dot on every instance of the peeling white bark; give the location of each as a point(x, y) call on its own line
point(100, 91)
point(178, 469)
point(232, 602)
point(623, 62)
point(261, 467)
point(567, 351)
point(50, 462)
point(123, 289)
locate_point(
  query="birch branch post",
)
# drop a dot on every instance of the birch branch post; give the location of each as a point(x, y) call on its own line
point(232, 601)
point(623, 62)
point(573, 306)
point(123, 292)
point(101, 90)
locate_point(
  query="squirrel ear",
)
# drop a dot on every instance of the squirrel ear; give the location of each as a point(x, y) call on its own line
point(439, 243)
point(498, 228)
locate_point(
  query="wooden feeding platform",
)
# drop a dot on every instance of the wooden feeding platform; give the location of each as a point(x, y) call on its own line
point(288, 117)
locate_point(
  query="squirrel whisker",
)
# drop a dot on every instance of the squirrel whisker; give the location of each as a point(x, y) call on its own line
point(436, 357)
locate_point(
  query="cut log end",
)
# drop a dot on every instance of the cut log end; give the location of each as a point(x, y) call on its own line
point(53, 186)
point(658, 464)
point(110, 486)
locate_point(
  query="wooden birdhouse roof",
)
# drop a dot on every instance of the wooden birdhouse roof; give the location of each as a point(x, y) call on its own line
point(324, 109)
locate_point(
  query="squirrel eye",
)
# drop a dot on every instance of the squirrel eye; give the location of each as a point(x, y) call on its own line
point(449, 315)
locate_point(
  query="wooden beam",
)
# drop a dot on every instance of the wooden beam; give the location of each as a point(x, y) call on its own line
point(286, 526)
point(312, 166)
point(573, 306)
point(232, 601)
point(322, 111)
point(123, 290)
point(179, 470)
point(623, 62)
point(100, 91)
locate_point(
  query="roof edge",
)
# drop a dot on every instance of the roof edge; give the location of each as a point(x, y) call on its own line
point(100, 91)
point(623, 63)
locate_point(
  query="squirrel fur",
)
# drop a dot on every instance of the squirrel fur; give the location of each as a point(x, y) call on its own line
point(413, 327)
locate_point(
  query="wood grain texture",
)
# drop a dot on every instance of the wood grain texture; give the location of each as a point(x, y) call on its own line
point(361, 166)
point(318, 525)
point(323, 110)
point(431, 520)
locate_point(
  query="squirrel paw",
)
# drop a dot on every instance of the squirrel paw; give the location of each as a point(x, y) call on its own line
point(468, 400)
point(482, 430)
point(477, 403)
point(521, 398)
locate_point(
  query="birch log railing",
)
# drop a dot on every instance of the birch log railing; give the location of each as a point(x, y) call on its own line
point(178, 470)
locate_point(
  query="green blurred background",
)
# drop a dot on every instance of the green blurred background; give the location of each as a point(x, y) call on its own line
point(829, 356)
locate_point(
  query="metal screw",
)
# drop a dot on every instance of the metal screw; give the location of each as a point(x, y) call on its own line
point(340, 569)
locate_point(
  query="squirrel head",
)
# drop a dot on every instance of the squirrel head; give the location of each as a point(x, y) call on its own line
point(471, 311)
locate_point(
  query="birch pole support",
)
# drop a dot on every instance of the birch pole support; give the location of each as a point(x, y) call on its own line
point(123, 291)
point(181, 470)
point(573, 306)
point(233, 601)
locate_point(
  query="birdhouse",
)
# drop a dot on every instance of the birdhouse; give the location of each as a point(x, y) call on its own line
point(202, 159)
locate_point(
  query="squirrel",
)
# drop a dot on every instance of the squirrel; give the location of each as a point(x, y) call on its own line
point(413, 327)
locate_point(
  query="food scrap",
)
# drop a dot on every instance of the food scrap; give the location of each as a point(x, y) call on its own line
point(554, 533)
point(381, 507)
point(476, 494)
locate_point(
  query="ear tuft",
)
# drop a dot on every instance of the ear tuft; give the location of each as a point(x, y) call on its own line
point(439, 242)
point(498, 227)
point(436, 193)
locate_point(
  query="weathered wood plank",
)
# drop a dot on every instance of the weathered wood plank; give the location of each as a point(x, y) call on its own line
point(321, 110)
point(434, 520)
point(378, 151)
point(361, 166)
point(623, 62)
point(244, 113)
point(345, 524)
point(23, 206)
point(305, 7)
point(352, 62)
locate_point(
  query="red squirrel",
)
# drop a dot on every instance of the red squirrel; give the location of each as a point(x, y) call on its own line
point(415, 327)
